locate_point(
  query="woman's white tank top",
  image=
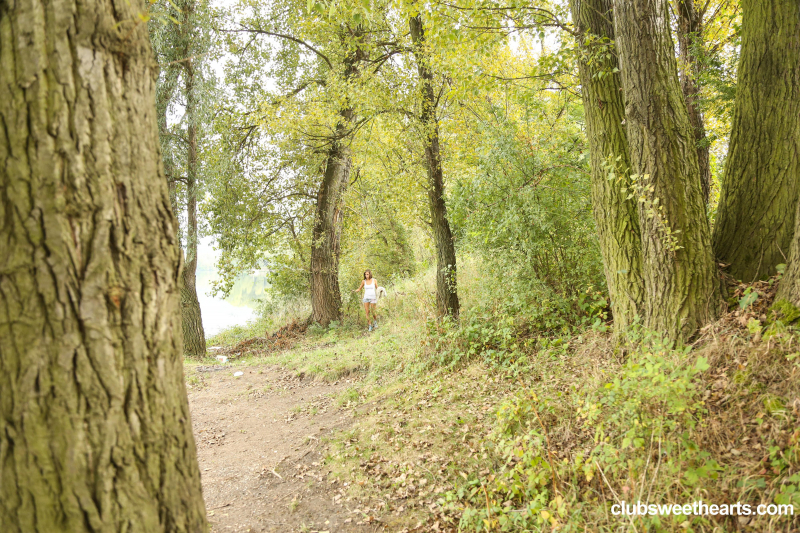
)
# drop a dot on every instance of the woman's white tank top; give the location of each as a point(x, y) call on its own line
point(369, 290)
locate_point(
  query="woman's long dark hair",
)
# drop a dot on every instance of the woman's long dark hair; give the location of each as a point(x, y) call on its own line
point(365, 274)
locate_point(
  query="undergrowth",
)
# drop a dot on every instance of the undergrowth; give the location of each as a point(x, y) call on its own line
point(715, 422)
point(495, 423)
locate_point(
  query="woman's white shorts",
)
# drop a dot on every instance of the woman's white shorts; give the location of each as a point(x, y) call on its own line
point(370, 300)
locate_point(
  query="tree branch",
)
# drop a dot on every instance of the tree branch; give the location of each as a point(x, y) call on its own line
point(301, 42)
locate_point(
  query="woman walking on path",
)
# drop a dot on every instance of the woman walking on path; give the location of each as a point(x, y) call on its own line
point(370, 300)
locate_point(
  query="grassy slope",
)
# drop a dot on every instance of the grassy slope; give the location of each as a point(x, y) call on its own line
point(573, 429)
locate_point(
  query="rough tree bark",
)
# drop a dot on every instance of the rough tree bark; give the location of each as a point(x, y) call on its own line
point(326, 298)
point(194, 338)
point(616, 216)
point(789, 286)
point(690, 29)
point(446, 280)
point(755, 219)
point(680, 278)
point(94, 421)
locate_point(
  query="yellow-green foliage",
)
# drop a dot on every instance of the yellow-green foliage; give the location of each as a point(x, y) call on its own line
point(786, 312)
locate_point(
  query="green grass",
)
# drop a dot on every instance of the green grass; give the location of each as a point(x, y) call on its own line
point(348, 396)
point(235, 334)
point(542, 436)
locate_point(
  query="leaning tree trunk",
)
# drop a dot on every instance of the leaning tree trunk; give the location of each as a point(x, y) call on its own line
point(615, 215)
point(680, 277)
point(194, 338)
point(326, 299)
point(95, 433)
point(446, 284)
point(755, 219)
point(690, 28)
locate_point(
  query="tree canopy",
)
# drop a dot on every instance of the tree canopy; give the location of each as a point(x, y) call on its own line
point(500, 129)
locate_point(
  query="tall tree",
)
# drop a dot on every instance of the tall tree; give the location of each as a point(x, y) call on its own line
point(446, 281)
point(94, 421)
point(326, 298)
point(690, 32)
point(616, 216)
point(316, 60)
point(194, 338)
point(678, 269)
point(180, 44)
point(755, 219)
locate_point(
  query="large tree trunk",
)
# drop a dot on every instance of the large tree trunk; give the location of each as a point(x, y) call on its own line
point(326, 299)
point(680, 277)
point(616, 216)
point(446, 284)
point(194, 338)
point(690, 28)
point(755, 219)
point(94, 422)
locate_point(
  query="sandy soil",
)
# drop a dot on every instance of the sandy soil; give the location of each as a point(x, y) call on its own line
point(258, 443)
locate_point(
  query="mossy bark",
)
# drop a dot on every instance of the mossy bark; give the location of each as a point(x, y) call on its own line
point(615, 215)
point(755, 219)
point(680, 277)
point(446, 279)
point(95, 432)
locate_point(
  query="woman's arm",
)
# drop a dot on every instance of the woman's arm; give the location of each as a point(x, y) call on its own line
point(359, 287)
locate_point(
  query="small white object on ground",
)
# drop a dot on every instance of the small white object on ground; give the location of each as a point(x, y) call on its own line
point(237, 374)
point(222, 359)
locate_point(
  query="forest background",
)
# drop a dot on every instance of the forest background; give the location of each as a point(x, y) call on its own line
point(257, 101)
point(584, 165)
point(587, 209)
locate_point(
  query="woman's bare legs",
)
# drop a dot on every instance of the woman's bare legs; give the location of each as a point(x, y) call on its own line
point(374, 308)
point(366, 310)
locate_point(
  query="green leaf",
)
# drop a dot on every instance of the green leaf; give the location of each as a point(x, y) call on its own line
point(701, 365)
point(748, 298)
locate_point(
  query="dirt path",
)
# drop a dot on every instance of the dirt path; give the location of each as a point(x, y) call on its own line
point(258, 443)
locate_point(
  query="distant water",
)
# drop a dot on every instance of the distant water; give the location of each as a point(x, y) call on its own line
point(236, 310)
point(218, 314)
